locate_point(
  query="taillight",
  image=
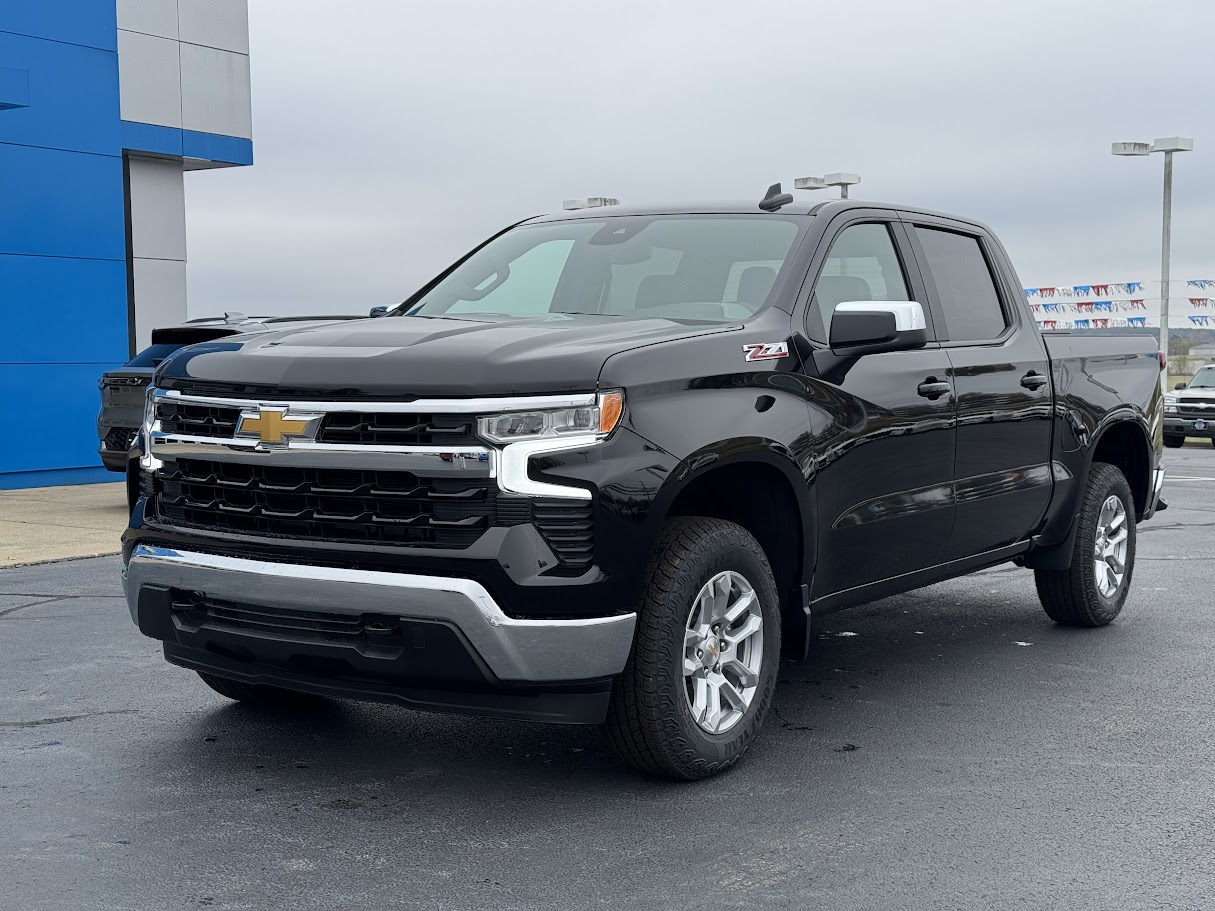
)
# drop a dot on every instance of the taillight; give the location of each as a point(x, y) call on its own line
point(1162, 360)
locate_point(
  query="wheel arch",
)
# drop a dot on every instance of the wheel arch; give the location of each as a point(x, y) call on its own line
point(762, 488)
point(1125, 442)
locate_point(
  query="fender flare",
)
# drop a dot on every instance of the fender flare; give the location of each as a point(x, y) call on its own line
point(1058, 555)
point(756, 451)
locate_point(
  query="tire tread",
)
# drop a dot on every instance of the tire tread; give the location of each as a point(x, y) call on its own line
point(1070, 596)
point(638, 725)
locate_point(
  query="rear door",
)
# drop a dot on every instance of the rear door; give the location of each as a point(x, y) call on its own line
point(1001, 378)
point(882, 427)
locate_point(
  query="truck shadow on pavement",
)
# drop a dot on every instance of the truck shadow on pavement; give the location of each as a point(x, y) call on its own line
point(883, 679)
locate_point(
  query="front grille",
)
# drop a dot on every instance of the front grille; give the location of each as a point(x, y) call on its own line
point(119, 438)
point(1186, 408)
point(567, 529)
point(349, 505)
point(386, 507)
point(392, 429)
point(191, 419)
point(349, 428)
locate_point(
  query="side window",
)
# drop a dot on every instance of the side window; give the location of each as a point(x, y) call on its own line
point(525, 285)
point(968, 293)
point(862, 266)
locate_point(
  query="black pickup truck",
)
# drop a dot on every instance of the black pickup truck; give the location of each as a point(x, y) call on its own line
point(608, 466)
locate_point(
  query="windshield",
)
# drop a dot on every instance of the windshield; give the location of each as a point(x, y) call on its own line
point(1203, 379)
point(695, 267)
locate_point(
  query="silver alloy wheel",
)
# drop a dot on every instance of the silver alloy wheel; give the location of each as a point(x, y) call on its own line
point(723, 652)
point(1109, 552)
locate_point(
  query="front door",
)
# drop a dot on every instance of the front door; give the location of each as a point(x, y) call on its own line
point(883, 425)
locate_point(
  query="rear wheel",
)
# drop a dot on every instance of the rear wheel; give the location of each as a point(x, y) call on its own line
point(1176, 442)
point(1092, 590)
point(262, 694)
point(703, 667)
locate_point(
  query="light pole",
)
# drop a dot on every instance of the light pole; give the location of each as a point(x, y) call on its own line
point(1168, 146)
point(841, 179)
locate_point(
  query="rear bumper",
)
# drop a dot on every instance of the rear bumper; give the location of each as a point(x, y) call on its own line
point(508, 657)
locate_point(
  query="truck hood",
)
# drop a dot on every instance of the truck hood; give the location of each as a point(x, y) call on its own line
point(1195, 394)
point(416, 356)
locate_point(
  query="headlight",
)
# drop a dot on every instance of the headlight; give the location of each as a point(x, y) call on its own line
point(1170, 404)
point(596, 420)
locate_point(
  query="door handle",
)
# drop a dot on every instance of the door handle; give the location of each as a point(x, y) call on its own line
point(932, 389)
point(1033, 380)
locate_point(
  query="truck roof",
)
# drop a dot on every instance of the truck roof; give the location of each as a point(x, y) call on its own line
point(827, 207)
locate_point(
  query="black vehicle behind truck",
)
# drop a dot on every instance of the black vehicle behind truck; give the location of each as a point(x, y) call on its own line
point(608, 466)
point(124, 389)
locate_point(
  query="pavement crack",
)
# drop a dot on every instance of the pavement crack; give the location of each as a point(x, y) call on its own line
point(12, 610)
point(1175, 525)
point(55, 596)
point(61, 719)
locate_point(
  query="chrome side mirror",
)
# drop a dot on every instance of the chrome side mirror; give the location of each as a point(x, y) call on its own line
point(872, 327)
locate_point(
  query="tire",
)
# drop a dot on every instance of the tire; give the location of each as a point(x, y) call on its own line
point(1175, 442)
point(1073, 596)
point(261, 694)
point(651, 721)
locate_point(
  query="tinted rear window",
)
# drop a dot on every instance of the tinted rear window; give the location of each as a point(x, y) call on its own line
point(964, 283)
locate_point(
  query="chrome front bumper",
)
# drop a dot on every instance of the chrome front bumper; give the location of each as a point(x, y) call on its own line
point(531, 651)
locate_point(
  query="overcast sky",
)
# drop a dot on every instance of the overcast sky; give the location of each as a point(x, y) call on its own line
point(391, 136)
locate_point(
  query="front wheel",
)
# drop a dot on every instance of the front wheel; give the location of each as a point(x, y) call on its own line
point(1175, 442)
point(703, 667)
point(1092, 590)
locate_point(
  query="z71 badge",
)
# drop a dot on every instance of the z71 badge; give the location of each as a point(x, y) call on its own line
point(765, 351)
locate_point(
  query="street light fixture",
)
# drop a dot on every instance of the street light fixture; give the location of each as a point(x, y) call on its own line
point(841, 179)
point(591, 202)
point(1168, 146)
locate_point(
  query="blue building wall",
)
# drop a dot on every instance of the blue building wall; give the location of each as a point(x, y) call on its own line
point(63, 272)
point(68, 291)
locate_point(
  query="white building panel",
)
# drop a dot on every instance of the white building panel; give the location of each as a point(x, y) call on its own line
point(221, 24)
point(151, 17)
point(158, 209)
point(149, 80)
point(160, 296)
point(215, 91)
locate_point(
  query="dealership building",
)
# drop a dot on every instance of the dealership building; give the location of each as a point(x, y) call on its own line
point(104, 106)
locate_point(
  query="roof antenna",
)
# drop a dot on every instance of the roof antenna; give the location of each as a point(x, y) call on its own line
point(774, 199)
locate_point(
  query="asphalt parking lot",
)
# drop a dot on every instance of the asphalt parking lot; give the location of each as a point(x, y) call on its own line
point(950, 748)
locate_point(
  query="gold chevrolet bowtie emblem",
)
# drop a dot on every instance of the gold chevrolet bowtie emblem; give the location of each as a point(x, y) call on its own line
point(272, 426)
